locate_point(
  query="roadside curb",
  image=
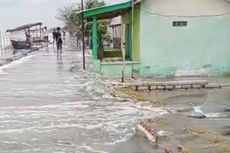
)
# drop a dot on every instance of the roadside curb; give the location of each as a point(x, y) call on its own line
point(173, 85)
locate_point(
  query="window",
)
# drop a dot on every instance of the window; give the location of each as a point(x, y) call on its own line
point(180, 23)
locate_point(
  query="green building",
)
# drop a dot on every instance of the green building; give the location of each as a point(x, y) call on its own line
point(162, 38)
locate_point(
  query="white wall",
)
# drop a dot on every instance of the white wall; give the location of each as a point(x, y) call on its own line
point(188, 7)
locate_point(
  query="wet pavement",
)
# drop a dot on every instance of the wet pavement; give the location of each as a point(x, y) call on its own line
point(50, 105)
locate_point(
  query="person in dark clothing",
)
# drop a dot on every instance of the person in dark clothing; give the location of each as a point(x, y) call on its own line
point(54, 38)
point(59, 41)
point(54, 35)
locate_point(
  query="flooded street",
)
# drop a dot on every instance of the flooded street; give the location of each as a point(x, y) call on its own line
point(50, 105)
point(157, 76)
point(47, 108)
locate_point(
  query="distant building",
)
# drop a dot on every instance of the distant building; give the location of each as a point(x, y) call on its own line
point(115, 32)
point(170, 38)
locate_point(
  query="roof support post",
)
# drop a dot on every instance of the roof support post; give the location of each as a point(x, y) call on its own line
point(95, 42)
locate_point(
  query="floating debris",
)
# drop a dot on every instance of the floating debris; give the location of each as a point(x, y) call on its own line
point(148, 132)
point(197, 115)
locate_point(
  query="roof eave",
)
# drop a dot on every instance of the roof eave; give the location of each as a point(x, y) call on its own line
point(24, 27)
point(107, 9)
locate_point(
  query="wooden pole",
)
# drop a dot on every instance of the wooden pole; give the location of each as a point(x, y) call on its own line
point(123, 56)
point(0, 41)
point(83, 33)
point(40, 29)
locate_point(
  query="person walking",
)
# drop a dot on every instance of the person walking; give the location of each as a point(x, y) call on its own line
point(59, 41)
point(46, 36)
point(54, 38)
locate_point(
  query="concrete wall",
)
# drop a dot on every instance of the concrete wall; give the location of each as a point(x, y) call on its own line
point(114, 69)
point(201, 48)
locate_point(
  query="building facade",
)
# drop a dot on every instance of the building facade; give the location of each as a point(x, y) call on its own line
point(162, 38)
point(184, 38)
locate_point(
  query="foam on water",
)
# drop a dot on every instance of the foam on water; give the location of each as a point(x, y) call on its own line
point(15, 63)
point(116, 127)
point(88, 148)
point(198, 109)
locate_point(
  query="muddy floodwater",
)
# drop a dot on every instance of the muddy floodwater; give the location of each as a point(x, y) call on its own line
point(201, 119)
point(196, 119)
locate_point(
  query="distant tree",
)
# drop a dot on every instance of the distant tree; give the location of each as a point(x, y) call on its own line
point(93, 4)
point(73, 20)
point(70, 20)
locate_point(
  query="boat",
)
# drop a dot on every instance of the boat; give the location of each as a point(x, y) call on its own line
point(30, 36)
point(20, 44)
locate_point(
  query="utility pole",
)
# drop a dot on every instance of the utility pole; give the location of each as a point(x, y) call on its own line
point(83, 33)
point(132, 75)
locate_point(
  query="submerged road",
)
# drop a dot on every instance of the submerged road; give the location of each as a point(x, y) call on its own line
point(45, 107)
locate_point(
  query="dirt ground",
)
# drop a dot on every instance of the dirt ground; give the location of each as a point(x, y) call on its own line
point(198, 121)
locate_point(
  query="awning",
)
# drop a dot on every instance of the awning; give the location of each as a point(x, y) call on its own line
point(110, 11)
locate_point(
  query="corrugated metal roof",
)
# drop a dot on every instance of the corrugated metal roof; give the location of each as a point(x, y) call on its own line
point(26, 26)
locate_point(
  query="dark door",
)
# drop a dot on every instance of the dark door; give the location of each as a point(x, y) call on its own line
point(128, 42)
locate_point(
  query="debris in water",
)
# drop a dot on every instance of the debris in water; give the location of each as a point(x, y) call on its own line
point(197, 115)
point(148, 132)
point(184, 110)
point(226, 109)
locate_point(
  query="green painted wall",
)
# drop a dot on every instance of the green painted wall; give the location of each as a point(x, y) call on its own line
point(203, 46)
point(127, 19)
point(114, 69)
point(96, 65)
point(136, 35)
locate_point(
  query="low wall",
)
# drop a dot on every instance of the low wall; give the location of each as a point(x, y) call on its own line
point(114, 69)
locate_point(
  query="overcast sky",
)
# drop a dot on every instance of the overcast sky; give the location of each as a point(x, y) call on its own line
point(17, 12)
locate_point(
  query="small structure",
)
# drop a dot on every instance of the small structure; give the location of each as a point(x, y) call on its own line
point(167, 38)
point(26, 36)
point(119, 59)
